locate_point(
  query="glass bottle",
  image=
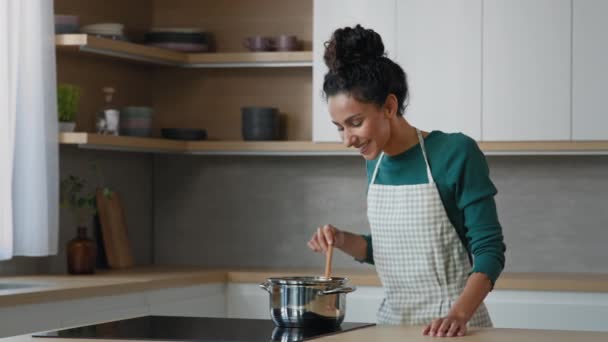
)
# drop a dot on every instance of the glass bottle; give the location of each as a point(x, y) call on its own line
point(81, 253)
point(108, 117)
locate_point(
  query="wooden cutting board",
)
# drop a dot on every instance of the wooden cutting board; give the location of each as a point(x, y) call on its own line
point(114, 230)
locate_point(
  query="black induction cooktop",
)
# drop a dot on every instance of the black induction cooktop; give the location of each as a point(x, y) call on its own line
point(200, 329)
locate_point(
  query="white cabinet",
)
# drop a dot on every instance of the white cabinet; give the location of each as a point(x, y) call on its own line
point(526, 70)
point(100, 309)
point(555, 310)
point(27, 318)
point(558, 310)
point(439, 47)
point(362, 305)
point(207, 300)
point(561, 310)
point(329, 15)
point(589, 70)
point(247, 300)
point(496, 70)
point(55, 315)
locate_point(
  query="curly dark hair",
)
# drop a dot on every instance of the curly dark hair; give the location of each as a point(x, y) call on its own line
point(358, 66)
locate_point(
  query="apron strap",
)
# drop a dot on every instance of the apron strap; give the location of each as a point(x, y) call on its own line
point(376, 168)
point(426, 160)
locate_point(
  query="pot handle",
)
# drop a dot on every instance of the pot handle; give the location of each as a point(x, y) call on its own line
point(265, 286)
point(345, 289)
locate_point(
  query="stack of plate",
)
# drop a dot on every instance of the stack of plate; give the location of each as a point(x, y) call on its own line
point(66, 24)
point(136, 121)
point(180, 39)
point(105, 30)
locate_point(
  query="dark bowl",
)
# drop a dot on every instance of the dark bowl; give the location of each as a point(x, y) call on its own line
point(162, 37)
point(184, 133)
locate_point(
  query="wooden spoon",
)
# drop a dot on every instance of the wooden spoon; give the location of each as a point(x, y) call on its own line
point(328, 256)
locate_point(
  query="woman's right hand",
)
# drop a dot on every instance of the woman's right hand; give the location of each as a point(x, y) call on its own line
point(325, 236)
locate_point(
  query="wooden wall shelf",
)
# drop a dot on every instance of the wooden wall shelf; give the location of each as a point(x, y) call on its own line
point(211, 147)
point(154, 55)
point(159, 145)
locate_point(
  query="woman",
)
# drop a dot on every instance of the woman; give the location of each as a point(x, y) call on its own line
point(435, 237)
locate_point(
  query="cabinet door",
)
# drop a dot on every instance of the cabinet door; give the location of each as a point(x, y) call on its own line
point(206, 300)
point(329, 15)
point(247, 300)
point(439, 47)
point(589, 70)
point(526, 70)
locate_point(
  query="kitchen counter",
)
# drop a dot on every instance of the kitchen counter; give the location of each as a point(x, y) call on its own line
point(52, 288)
point(413, 334)
point(66, 287)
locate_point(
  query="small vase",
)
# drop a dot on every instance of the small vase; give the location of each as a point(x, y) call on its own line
point(81, 254)
point(66, 127)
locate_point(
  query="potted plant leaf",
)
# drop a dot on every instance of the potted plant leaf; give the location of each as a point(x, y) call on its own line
point(81, 251)
point(68, 98)
point(75, 198)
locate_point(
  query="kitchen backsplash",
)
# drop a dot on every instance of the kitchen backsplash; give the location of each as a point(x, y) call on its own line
point(240, 211)
point(131, 175)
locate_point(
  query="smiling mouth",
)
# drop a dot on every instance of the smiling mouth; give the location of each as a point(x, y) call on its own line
point(362, 148)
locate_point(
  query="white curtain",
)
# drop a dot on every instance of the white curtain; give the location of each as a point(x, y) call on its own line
point(29, 170)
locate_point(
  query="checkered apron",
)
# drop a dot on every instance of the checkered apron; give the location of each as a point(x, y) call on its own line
point(419, 257)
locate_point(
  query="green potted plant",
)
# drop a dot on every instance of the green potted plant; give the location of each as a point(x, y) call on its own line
point(74, 197)
point(68, 97)
point(79, 200)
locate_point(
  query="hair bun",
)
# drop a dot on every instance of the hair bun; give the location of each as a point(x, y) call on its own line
point(350, 45)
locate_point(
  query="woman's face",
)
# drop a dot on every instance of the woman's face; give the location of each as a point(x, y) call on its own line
point(365, 126)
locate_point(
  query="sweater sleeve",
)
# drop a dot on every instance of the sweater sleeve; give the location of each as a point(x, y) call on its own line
point(369, 258)
point(475, 193)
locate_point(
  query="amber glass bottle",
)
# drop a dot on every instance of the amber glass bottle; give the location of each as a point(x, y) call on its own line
point(81, 253)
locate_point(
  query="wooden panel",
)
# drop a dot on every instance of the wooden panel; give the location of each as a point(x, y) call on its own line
point(123, 142)
point(211, 99)
point(590, 70)
point(120, 49)
point(250, 57)
point(132, 81)
point(165, 145)
point(526, 70)
point(82, 43)
point(136, 15)
point(440, 50)
point(231, 21)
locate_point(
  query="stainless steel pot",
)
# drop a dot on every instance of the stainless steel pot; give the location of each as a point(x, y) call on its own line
point(307, 301)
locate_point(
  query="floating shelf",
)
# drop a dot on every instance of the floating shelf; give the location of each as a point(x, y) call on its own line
point(155, 55)
point(295, 148)
point(209, 147)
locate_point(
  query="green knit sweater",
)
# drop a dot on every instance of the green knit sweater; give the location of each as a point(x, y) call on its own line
point(462, 178)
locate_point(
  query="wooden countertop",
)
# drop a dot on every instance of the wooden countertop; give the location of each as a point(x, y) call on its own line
point(66, 287)
point(578, 282)
point(413, 334)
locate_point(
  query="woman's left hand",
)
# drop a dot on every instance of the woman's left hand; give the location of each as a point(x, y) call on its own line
point(446, 327)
